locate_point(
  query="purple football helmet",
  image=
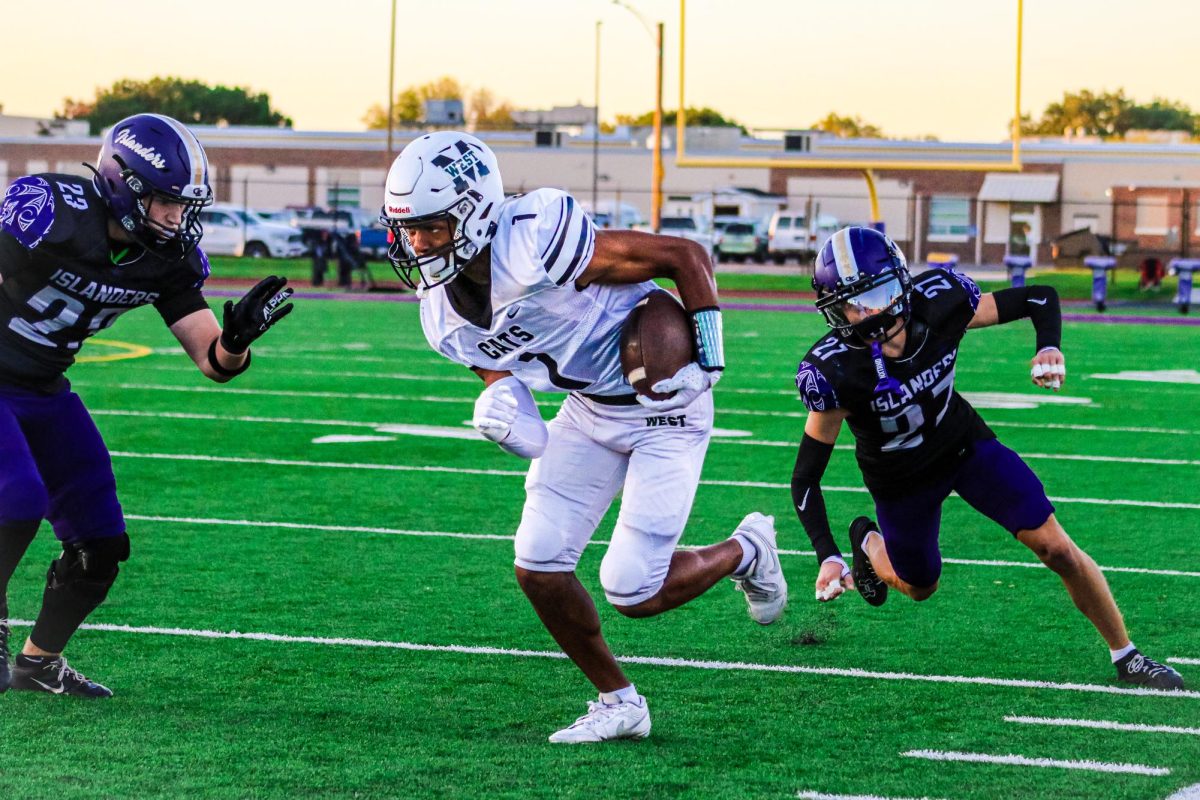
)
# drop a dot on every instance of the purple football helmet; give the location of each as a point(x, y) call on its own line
point(147, 158)
point(862, 284)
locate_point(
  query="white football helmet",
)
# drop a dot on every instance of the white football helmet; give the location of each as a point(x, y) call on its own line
point(446, 175)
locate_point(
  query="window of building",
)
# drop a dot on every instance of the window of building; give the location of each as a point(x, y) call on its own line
point(1152, 213)
point(949, 219)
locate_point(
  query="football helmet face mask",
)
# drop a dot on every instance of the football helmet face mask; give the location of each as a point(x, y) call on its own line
point(444, 176)
point(863, 285)
point(149, 158)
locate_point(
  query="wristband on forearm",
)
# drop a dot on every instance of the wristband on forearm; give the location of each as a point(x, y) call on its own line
point(811, 461)
point(215, 362)
point(710, 342)
point(1040, 305)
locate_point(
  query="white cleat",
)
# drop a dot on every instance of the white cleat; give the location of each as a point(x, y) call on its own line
point(764, 584)
point(605, 722)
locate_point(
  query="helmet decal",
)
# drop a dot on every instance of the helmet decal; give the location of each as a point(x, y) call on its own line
point(443, 184)
point(467, 167)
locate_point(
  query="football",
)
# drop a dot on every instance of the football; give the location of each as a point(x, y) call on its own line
point(656, 342)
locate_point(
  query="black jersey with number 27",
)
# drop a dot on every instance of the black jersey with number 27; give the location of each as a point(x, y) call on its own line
point(908, 438)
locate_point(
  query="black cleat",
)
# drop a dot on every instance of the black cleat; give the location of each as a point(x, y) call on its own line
point(1136, 668)
point(53, 675)
point(5, 632)
point(869, 585)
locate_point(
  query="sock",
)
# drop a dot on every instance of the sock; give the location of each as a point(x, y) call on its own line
point(627, 695)
point(749, 553)
point(1117, 655)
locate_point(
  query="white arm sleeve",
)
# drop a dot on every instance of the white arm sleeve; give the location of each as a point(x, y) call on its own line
point(528, 435)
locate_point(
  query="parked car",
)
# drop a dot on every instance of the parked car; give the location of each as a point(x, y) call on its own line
point(685, 227)
point(790, 236)
point(740, 241)
point(230, 230)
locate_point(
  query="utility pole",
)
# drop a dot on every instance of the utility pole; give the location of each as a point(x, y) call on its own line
point(656, 170)
point(391, 83)
point(596, 128)
point(656, 180)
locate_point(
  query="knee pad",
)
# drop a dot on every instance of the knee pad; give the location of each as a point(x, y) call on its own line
point(88, 568)
point(627, 581)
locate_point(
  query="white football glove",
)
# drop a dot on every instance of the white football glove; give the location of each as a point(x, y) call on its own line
point(1049, 369)
point(507, 414)
point(495, 412)
point(689, 383)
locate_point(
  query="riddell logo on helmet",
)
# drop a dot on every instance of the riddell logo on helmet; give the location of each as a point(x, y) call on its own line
point(399, 209)
point(126, 139)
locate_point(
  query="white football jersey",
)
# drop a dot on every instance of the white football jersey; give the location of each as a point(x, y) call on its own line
point(553, 337)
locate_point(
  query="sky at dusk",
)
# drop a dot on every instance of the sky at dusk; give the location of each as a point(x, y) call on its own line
point(915, 67)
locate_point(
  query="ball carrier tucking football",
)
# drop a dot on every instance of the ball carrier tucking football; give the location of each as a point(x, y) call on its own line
point(526, 293)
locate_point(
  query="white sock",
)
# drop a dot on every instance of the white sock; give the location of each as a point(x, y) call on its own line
point(627, 695)
point(749, 553)
point(1117, 655)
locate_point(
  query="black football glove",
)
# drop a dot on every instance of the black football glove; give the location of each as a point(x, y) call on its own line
point(258, 310)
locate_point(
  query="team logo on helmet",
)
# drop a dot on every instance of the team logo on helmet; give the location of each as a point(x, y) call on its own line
point(467, 167)
point(126, 139)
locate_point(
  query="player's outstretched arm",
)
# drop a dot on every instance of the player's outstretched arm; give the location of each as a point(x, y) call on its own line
point(1040, 304)
point(223, 353)
point(820, 432)
point(506, 413)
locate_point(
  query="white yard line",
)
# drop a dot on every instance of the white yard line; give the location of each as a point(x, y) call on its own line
point(809, 795)
point(1098, 501)
point(439, 399)
point(655, 661)
point(435, 431)
point(1101, 724)
point(500, 537)
point(1187, 793)
point(1023, 761)
point(1184, 660)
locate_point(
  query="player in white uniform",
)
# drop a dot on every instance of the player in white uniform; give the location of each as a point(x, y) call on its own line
point(526, 293)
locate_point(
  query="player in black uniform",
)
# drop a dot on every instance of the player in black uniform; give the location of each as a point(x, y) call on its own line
point(888, 371)
point(74, 255)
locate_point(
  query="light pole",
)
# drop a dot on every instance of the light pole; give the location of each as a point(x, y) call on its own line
point(596, 128)
point(391, 83)
point(656, 176)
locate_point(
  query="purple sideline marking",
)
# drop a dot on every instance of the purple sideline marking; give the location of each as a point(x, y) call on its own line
point(803, 308)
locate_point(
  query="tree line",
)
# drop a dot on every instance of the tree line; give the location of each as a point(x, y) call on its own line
point(1106, 114)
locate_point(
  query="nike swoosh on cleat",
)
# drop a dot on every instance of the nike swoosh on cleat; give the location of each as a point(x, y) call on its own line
point(54, 689)
point(1036, 302)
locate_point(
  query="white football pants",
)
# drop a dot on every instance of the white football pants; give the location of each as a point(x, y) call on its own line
point(594, 452)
